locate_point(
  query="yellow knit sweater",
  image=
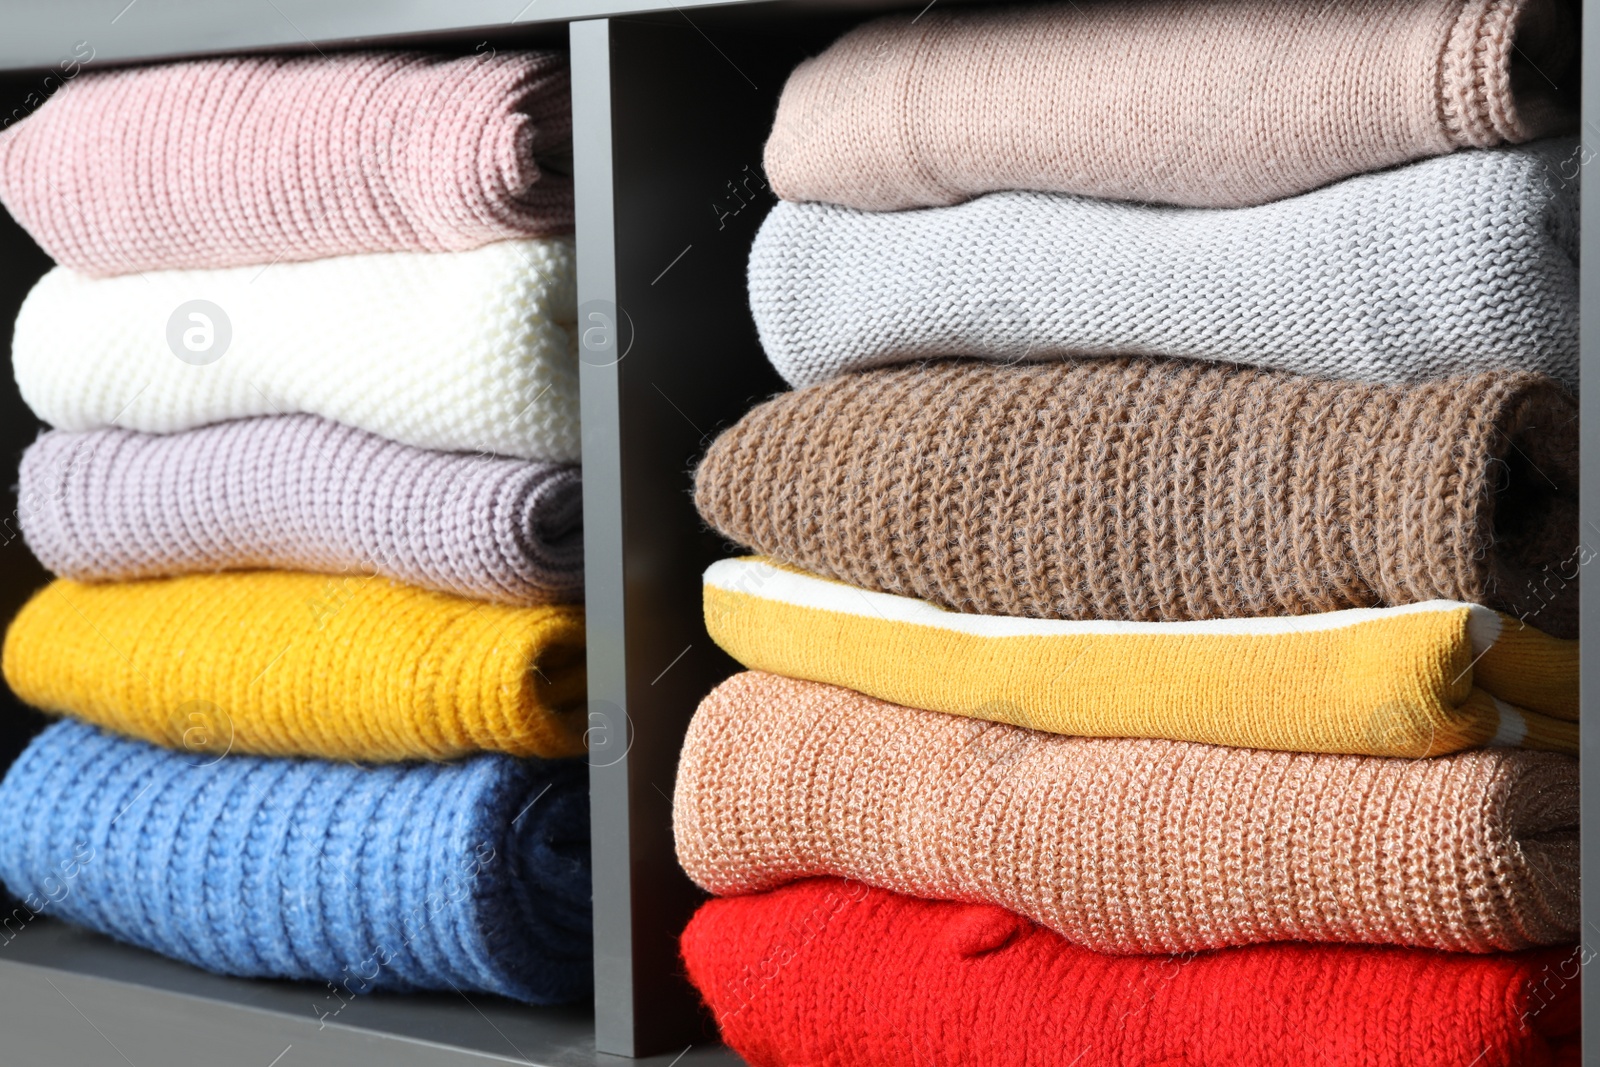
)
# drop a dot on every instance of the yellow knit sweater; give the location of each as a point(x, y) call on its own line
point(280, 663)
point(1418, 680)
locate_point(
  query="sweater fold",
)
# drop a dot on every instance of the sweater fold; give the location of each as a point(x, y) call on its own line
point(1127, 846)
point(1162, 490)
point(1222, 104)
point(470, 876)
point(1451, 266)
point(835, 972)
point(1415, 681)
point(298, 492)
point(276, 159)
point(455, 351)
point(281, 663)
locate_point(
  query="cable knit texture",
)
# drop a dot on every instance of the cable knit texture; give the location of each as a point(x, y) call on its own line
point(831, 972)
point(1451, 266)
point(459, 351)
point(1127, 845)
point(469, 876)
point(298, 492)
point(1419, 680)
point(285, 664)
point(1220, 104)
point(273, 159)
point(1162, 490)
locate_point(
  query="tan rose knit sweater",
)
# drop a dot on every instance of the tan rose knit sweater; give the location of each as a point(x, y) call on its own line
point(1127, 845)
point(1162, 490)
point(1217, 104)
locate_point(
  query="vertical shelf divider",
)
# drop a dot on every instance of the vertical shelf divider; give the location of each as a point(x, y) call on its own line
point(1588, 547)
point(668, 127)
point(611, 832)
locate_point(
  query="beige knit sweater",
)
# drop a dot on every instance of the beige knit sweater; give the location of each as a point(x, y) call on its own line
point(1127, 845)
point(1216, 104)
point(1162, 490)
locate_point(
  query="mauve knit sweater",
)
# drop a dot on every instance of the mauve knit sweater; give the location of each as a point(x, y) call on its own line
point(273, 159)
point(1216, 104)
point(298, 492)
point(1162, 490)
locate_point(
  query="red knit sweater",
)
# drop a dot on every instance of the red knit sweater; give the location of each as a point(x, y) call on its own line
point(829, 973)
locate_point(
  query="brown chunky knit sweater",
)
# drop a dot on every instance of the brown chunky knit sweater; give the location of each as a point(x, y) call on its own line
point(1162, 490)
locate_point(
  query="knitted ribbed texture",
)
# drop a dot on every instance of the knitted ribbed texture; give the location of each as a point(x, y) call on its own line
point(469, 876)
point(272, 159)
point(1161, 490)
point(1127, 845)
point(1214, 105)
point(301, 493)
point(460, 351)
point(1419, 680)
point(1451, 266)
point(831, 972)
point(287, 664)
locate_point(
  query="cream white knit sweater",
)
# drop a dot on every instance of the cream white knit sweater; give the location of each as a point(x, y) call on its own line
point(459, 351)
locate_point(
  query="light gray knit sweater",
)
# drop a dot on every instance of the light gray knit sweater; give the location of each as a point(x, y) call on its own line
point(1447, 267)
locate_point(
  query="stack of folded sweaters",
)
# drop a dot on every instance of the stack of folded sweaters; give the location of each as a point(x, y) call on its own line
point(1160, 650)
point(312, 497)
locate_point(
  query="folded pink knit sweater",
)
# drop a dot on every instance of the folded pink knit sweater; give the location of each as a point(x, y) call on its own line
point(1216, 104)
point(1127, 845)
point(262, 159)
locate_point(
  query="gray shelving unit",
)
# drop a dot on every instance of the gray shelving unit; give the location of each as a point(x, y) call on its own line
point(672, 102)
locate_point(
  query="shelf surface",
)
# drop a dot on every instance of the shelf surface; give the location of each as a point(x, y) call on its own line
point(45, 34)
point(91, 1001)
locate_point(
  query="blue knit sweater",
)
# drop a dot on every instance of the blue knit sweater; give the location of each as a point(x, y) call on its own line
point(471, 875)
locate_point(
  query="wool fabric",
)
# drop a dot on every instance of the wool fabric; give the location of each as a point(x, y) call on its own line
point(1452, 266)
point(274, 159)
point(281, 663)
point(470, 876)
point(832, 972)
point(299, 492)
point(1419, 680)
point(1127, 845)
point(458, 351)
point(1162, 491)
point(1219, 104)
